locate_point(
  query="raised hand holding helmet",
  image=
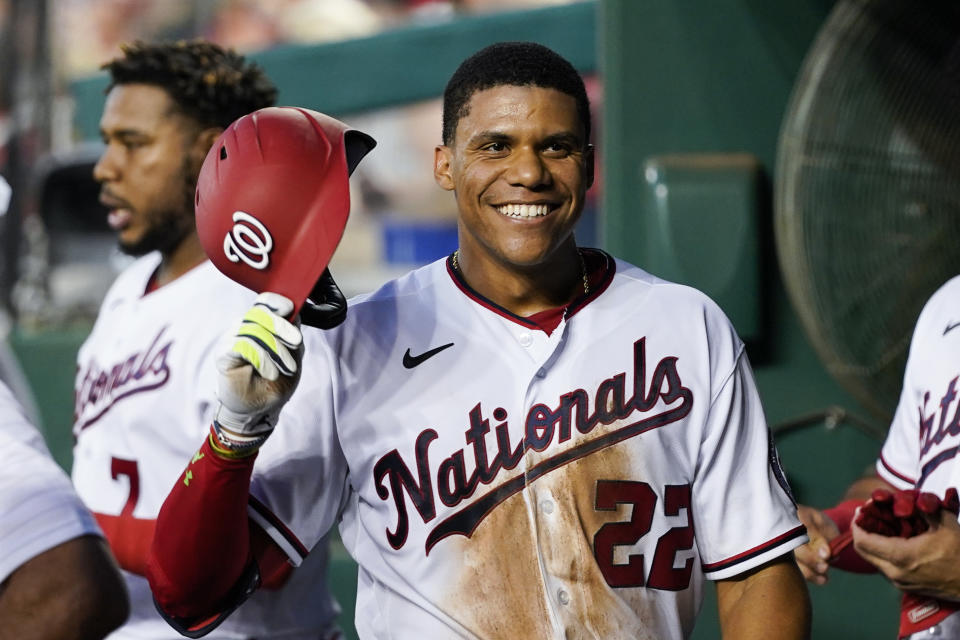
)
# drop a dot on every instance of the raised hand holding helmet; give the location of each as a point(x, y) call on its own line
point(272, 200)
point(257, 376)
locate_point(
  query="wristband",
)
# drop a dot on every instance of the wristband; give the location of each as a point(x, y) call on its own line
point(232, 445)
point(262, 422)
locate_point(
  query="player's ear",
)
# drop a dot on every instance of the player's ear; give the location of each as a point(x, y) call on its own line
point(201, 145)
point(207, 137)
point(441, 167)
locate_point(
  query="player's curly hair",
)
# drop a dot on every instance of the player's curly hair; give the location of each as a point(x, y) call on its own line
point(211, 84)
point(511, 63)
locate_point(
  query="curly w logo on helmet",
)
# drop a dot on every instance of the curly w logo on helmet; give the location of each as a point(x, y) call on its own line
point(248, 241)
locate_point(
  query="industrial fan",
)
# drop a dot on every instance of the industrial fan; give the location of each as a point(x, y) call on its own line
point(867, 186)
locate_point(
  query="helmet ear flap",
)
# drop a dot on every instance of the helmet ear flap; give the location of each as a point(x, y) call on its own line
point(326, 306)
point(357, 144)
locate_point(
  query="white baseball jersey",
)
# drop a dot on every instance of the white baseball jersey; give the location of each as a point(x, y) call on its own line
point(145, 398)
point(923, 440)
point(39, 508)
point(495, 481)
point(922, 444)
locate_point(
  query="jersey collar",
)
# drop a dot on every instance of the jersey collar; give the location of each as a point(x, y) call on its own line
point(601, 268)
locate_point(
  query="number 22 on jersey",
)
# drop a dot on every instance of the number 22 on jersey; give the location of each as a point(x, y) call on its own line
point(663, 574)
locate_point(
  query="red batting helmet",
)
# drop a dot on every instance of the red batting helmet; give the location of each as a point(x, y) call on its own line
point(273, 197)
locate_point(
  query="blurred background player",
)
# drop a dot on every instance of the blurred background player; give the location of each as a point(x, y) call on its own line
point(908, 529)
point(145, 375)
point(525, 439)
point(58, 579)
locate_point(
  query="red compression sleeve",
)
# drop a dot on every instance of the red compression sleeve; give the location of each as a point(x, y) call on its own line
point(202, 541)
point(129, 539)
point(844, 556)
point(275, 567)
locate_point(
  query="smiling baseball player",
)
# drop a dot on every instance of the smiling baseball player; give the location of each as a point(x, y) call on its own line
point(525, 440)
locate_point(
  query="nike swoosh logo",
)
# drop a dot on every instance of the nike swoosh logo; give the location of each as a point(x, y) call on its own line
point(410, 361)
point(951, 327)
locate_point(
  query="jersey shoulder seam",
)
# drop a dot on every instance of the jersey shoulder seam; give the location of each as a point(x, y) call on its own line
point(726, 379)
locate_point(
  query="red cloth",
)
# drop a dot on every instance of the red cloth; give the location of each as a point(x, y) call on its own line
point(842, 554)
point(903, 513)
point(842, 514)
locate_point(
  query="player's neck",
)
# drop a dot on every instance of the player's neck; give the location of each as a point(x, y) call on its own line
point(525, 292)
point(187, 255)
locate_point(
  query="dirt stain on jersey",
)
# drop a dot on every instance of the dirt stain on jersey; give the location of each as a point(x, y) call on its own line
point(548, 530)
point(498, 592)
point(601, 611)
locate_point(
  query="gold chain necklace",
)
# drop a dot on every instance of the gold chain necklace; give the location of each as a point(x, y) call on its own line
point(583, 269)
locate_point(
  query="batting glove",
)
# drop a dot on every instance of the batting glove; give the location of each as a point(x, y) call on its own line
point(951, 501)
point(257, 375)
point(902, 513)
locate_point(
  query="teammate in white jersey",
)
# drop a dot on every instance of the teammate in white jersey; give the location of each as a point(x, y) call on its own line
point(58, 580)
point(145, 386)
point(918, 457)
point(524, 440)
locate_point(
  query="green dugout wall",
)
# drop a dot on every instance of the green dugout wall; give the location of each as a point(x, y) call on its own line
point(693, 96)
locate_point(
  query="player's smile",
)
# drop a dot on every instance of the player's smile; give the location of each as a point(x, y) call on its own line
point(522, 210)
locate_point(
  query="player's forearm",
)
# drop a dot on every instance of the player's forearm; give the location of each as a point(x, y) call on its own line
point(862, 488)
point(201, 545)
point(770, 602)
point(70, 592)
